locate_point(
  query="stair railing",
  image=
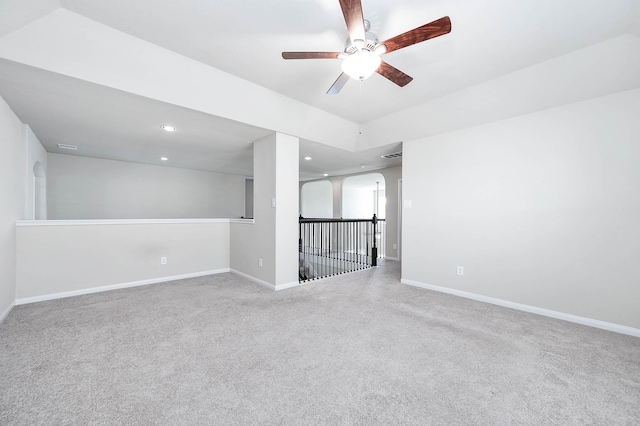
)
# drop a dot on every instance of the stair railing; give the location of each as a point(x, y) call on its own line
point(335, 246)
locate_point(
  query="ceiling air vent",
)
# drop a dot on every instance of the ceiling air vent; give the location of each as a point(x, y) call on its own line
point(65, 146)
point(392, 155)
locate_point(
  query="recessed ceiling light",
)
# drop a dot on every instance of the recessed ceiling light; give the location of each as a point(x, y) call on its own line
point(326, 174)
point(307, 158)
point(164, 158)
point(169, 128)
point(65, 146)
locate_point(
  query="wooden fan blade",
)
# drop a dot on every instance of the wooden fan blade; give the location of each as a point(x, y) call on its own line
point(338, 84)
point(310, 55)
point(352, 11)
point(427, 31)
point(393, 74)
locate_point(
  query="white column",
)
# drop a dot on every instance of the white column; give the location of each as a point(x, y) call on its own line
point(276, 195)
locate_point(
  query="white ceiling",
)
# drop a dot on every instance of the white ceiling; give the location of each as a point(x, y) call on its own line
point(492, 44)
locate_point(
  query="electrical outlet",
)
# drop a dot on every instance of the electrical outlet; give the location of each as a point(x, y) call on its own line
point(163, 260)
point(395, 246)
point(460, 270)
point(260, 262)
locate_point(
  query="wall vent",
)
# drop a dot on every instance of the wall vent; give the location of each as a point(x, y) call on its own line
point(65, 146)
point(392, 155)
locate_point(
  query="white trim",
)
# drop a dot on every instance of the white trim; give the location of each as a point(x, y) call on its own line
point(287, 285)
point(266, 284)
point(123, 222)
point(7, 311)
point(254, 279)
point(623, 329)
point(390, 258)
point(245, 221)
point(53, 296)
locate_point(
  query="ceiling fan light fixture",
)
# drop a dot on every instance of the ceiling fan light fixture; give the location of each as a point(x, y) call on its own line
point(380, 49)
point(361, 64)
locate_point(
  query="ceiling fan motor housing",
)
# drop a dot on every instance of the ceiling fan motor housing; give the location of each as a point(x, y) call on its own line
point(370, 43)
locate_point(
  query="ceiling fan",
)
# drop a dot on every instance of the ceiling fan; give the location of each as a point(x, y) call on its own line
point(363, 50)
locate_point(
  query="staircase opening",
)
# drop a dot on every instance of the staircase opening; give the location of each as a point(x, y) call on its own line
point(330, 246)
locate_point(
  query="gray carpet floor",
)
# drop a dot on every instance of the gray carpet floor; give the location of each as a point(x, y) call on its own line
point(357, 349)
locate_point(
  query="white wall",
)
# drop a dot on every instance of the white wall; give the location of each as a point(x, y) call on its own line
point(541, 210)
point(90, 188)
point(358, 196)
point(316, 199)
point(287, 201)
point(248, 198)
point(391, 176)
point(608, 67)
point(35, 154)
point(273, 236)
point(249, 243)
point(11, 200)
point(56, 258)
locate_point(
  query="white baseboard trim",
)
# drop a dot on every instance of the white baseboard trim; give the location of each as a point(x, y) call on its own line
point(53, 296)
point(287, 285)
point(266, 284)
point(254, 279)
point(7, 311)
point(391, 258)
point(623, 329)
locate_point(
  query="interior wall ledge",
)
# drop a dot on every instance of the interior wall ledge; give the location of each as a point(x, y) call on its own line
point(79, 222)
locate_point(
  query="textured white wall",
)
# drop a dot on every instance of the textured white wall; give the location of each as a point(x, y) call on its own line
point(12, 164)
point(540, 209)
point(90, 188)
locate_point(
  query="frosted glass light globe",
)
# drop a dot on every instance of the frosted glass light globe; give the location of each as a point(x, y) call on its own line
point(361, 65)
